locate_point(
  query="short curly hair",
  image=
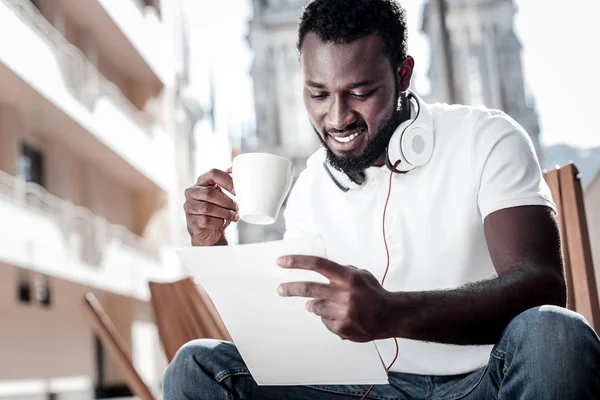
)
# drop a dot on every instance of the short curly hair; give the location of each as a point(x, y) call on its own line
point(343, 21)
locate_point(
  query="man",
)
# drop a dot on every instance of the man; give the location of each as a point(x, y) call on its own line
point(474, 291)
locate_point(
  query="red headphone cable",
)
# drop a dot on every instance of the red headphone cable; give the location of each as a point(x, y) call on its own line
point(387, 267)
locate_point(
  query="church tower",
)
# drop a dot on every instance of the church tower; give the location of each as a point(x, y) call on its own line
point(282, 125)
point(485, 53)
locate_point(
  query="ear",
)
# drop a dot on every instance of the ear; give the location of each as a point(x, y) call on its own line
point(405, 71)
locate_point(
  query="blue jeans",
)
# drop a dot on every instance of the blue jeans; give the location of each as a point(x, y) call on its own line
point(544, 353)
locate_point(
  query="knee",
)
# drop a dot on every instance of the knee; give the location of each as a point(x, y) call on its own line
point(187, 364)
point(554, 350)
point(551, 328)
point(549, 319)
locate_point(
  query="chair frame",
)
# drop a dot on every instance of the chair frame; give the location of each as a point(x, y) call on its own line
point(110, 337)
point(567, 193)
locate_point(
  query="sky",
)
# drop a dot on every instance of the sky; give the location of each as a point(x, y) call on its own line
point(560, 59)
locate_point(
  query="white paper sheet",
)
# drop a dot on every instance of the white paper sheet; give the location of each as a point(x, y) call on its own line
point(280, 342)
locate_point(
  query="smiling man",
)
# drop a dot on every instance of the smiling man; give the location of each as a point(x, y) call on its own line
point(440, 231)
point(351, 94)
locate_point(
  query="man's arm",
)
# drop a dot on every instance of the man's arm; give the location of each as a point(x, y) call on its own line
point(524, 244)
point(525, 248)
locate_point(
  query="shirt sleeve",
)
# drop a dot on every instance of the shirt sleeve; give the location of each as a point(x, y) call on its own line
point(297, 215)
point(506, 168)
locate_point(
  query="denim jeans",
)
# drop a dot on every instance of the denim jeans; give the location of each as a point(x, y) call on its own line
point(544, 353)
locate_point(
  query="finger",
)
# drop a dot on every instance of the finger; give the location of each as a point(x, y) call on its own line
point(229, 170)
point(325, 309)
point(196, 207)
point(329, 269)
point(200, 222)
point(210, 195)
point(217, 177)
point(308, 289)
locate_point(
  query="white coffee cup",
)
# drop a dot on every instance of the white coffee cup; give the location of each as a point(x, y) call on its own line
point(261, 182)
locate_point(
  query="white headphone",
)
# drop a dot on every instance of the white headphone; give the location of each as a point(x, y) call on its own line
point(410, 146)
point(412, 143)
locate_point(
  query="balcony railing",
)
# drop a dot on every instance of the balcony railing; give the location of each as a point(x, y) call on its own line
point(87, 235)
point(83, 79)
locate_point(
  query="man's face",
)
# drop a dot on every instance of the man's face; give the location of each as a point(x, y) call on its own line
point(351, 95)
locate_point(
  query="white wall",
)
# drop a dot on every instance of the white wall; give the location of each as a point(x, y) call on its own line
point(40, 347)
point(146, 33)
point(54, 348)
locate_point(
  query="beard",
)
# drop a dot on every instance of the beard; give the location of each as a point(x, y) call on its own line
point(376, 146)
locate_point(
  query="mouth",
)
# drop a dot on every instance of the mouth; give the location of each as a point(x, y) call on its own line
point(348, 141)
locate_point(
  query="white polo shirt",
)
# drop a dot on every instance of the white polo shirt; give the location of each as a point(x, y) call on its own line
point(483, 161)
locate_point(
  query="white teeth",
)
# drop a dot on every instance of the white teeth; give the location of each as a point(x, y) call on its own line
point(347, 138)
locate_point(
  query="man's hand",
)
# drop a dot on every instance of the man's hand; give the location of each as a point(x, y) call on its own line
point(353, 305)
point(208, 210)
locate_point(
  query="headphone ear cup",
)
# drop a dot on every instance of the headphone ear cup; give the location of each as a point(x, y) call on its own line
point(417, 145)
point(413, 141)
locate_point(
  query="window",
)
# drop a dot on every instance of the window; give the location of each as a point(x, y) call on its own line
point(42, 290)
point(38, 292)
point(103, 390)
point(31, 165)
point(24, 289)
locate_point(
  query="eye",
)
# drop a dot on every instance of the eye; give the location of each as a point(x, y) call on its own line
point(364, 95)
point(318, 96)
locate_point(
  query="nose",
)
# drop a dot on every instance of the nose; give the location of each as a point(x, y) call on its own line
point(339, 115)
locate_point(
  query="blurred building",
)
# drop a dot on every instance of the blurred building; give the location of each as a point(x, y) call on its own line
point(485, 55)
point(95, 150)
point(282, 126)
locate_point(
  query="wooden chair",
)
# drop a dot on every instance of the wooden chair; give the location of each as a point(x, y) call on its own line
point(582, 293)
point(116, 346)
point(184, 312)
